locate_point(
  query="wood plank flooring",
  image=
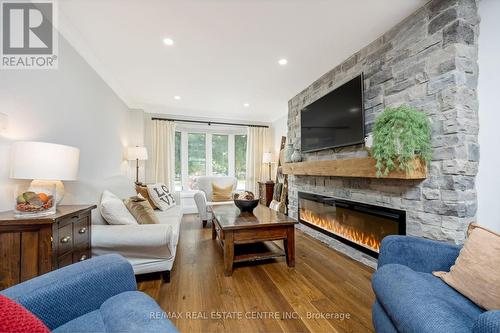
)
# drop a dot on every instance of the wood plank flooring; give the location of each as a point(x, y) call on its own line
point(325, 292)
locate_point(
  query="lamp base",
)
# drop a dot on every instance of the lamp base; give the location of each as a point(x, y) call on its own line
point(49, 184)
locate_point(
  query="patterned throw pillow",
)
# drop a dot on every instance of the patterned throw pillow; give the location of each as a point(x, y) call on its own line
point(161, 196)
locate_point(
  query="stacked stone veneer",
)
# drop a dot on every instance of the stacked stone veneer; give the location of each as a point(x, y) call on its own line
point(428, 61)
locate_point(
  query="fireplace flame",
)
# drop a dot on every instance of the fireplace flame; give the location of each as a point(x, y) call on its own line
point(330, 224)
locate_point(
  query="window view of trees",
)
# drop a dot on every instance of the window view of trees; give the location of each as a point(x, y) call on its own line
point(240, 159)
point(220, 152)
point(178, 166)
point(226, 156)
point(196, 154)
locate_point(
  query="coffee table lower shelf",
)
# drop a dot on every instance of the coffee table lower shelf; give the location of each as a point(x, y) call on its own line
point(255, 251)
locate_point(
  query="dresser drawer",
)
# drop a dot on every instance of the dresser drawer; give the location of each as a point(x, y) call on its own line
point(81, 255)
point(65, 260)
point(65, 239)
point(81, 231)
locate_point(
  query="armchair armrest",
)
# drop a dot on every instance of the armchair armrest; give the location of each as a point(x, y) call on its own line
point(487, 322)
point(201, 203)
point(70, 292)
point(419, 254)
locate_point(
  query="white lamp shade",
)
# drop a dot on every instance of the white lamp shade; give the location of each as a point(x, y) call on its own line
point(44, 161)
point(267, 158)
point(137, 153)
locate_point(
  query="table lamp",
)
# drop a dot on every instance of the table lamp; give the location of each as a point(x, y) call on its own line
point(46, 164)
point(137, 154)
point(267, 158)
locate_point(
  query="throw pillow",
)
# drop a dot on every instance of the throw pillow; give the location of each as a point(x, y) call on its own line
point(141, 210)
point(143, 190)
point(220, 193)
point(161, 196)
point(16, 318)
point(113, 210)
point(476, 272)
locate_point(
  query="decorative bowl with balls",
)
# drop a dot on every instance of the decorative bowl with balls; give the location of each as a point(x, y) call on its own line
point(34, 202)
point(245, 201)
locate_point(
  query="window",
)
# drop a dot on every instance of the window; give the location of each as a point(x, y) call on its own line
point(196, 154)
point(220, 154)
point(203, 151)
point(240, 159)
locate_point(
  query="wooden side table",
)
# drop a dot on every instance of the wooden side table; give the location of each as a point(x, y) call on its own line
point(34, 246)
point(266, 190)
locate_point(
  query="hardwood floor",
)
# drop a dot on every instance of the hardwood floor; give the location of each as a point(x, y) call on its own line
point(325, 292)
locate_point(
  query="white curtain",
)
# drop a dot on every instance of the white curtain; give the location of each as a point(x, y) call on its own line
point(258, 142)
point(161, 144)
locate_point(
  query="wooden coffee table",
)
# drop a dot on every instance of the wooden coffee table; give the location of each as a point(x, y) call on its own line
point(249, 237)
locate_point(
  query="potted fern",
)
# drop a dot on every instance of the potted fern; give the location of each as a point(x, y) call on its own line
point(400, 135)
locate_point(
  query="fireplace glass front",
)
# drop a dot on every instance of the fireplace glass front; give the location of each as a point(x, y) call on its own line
point(359, 225)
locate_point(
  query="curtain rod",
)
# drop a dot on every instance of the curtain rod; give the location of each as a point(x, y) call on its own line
point(209, 122)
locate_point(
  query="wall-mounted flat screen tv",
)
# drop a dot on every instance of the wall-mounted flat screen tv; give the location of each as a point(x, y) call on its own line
point(334, 120)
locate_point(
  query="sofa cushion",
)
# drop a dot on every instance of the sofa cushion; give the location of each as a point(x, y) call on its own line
point(421, 302)
point(172, 217)
point(90, 322)
point(114, 211)
point(141, 209)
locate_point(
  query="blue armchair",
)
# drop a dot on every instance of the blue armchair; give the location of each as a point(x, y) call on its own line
point(410, 299)
point(96, 295)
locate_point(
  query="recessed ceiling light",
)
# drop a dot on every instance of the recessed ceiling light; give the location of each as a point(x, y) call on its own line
point(246, 105)
point(168, 41)
point(283, 62)
point(177, 97)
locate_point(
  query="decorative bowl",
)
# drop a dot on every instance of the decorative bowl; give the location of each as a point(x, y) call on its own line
point(246, 205)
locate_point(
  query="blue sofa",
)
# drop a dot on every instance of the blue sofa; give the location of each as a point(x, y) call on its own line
point(96, 295)
point(410, 299)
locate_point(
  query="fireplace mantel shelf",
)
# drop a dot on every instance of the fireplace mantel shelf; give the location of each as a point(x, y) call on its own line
point(353, 168)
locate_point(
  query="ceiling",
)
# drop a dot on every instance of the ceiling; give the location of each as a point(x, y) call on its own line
point(225, 52)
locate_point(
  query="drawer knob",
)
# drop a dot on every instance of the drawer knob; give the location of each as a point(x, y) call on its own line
point(82, 230)
point(65, 240)
point(83, 257)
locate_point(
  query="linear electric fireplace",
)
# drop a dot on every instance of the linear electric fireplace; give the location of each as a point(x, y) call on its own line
point(359, 225)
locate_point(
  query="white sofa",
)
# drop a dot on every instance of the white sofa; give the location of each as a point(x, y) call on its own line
point(203, 197)
point(150, 247)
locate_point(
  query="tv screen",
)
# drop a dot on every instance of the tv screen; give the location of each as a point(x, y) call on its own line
point(335, 120)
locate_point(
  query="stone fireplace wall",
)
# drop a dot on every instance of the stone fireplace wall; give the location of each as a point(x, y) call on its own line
point(428, 61)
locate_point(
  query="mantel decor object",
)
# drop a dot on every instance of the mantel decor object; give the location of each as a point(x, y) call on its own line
point(288, 153)
point(296, 156)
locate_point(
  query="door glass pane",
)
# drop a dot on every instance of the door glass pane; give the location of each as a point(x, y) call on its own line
point(196, 154)
point(240, 159)
point(220, 161)
point(178, 165)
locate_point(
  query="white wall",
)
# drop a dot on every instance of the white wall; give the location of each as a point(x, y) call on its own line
point(279, 129)
point(71, 105)
point(488, 180)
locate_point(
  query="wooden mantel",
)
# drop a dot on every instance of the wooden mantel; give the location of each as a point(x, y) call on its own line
point(356, 168)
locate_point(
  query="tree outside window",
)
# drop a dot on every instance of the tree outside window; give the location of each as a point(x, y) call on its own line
point(240, 158)
point(220, 155)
